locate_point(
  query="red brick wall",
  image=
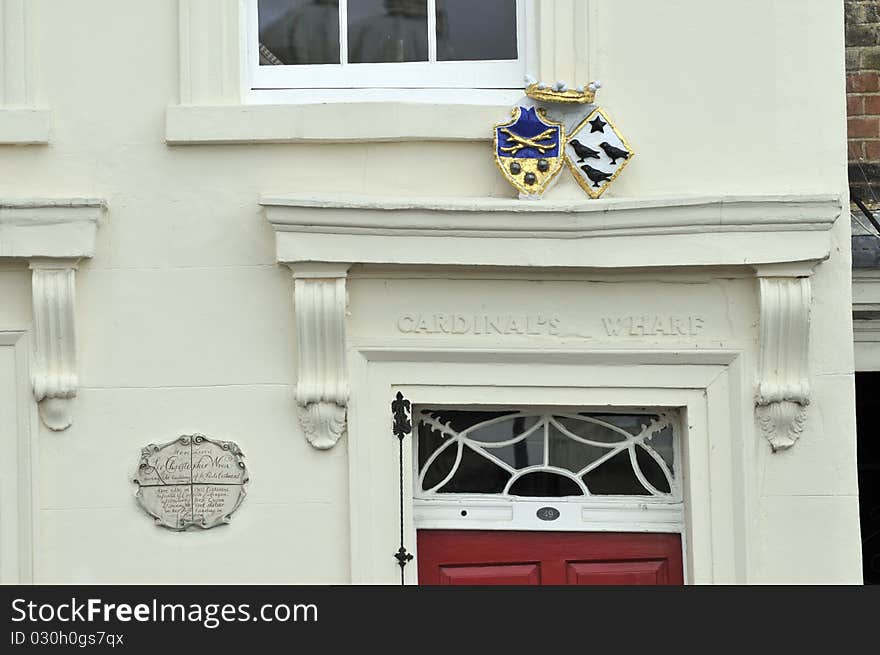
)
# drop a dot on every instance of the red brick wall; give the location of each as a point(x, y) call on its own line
point(863, 98)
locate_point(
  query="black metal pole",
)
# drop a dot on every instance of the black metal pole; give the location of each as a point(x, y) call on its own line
point(401, 426)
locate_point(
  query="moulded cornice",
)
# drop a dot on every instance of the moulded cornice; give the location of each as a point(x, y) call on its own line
point(791, 207)
point(667, 231)
point(49, 227)
point(866, 295)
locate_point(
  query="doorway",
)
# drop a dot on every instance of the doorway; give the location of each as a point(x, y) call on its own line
point(548, 495)
point(868, 457)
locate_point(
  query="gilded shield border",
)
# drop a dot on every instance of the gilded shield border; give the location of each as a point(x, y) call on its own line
point(585, 185)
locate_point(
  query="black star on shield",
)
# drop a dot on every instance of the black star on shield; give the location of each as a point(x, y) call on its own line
point(598, 125)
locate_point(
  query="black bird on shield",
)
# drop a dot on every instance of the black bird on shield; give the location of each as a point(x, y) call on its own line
point(596, 176)
point(614, 153)
point(584, 152)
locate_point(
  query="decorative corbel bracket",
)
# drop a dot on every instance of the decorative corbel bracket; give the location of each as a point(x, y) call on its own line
point(319, 298)
point(52, 234)
point(54, 369)
point(783, 389)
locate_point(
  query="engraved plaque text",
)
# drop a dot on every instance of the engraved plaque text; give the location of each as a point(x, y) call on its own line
point(192, 481)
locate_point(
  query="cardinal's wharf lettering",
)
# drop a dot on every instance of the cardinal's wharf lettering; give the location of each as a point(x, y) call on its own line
point(653, 325)
point(504, 324)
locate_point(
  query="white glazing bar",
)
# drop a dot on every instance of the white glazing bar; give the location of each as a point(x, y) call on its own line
point(343, 32)
point(546, 441)
point(432, 30)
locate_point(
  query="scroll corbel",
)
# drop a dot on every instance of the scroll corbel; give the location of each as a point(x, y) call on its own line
point(783, 389)
point(322, 387)
point(54, 374)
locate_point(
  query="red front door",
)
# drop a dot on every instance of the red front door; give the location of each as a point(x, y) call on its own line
point(468, 557)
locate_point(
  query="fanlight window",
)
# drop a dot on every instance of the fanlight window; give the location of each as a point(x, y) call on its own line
point(530, 454)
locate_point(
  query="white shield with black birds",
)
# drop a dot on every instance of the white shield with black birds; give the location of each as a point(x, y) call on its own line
point(596, 152)
point(528, 150)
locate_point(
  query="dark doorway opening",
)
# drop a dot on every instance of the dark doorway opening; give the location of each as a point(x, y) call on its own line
point(867, 422)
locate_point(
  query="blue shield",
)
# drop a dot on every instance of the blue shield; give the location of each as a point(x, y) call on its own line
point(528, 150)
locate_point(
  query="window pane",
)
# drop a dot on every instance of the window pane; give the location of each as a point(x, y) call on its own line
point(545, 485)
point(652, 471)
point(299, 32)
point(475, 474)
point(615, 477)
point(475, 31)
point(387, 31)
point(523, 453)
point(566, 453)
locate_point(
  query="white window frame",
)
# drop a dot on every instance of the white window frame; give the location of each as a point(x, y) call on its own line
point(217, 104)
point(503, 74)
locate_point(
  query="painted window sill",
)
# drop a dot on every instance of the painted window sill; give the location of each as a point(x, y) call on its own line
point(24, 126)
point(331, 122)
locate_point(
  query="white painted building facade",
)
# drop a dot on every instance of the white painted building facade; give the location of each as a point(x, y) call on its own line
point(183, 253)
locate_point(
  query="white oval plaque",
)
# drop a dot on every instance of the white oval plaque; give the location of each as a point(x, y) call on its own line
point(192, 481)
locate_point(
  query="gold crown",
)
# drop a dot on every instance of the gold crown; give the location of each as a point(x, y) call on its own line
point(559, 92)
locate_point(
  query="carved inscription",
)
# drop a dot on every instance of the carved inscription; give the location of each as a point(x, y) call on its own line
point(192, 481)
point(653, 326)
point(504, 324)
point(635, 325)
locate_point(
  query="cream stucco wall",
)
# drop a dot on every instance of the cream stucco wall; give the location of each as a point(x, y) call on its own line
point(184, 317)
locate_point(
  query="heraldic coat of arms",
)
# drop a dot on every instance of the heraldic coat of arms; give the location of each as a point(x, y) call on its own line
point(528, 150)
point(555, 125)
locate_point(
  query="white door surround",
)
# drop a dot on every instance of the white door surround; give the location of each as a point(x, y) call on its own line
point(706, 389)
point(728, 395)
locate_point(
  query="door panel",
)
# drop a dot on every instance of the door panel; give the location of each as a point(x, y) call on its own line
point(548, 558)
point(491, 574)
point(648, 572)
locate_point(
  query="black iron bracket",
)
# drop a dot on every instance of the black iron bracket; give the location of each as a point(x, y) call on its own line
point(401, 427)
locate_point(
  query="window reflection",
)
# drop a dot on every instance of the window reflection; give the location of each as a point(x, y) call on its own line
point(387, 31)
point(476, 31)
point(299, 32)
point(382, 31)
